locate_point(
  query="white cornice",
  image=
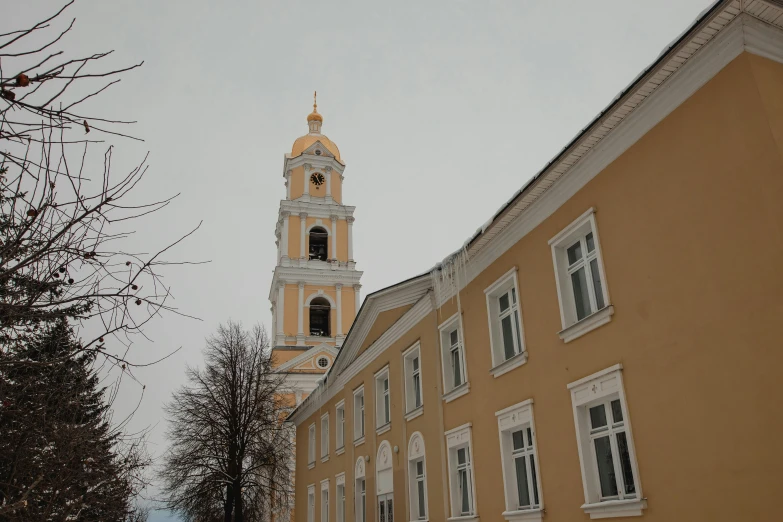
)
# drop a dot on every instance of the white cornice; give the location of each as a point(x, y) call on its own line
point(319, 162)
point(320, 209)
point(310, 276)
point(744, 33)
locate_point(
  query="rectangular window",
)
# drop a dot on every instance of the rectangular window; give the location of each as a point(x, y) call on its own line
point(461, 471)
point(413, 389)
point(358, 415)
point(325, 436)
point(506, 335)
point(340, 426)
point(311, 503)
point(311, 446)
point(382, 399)
point(521, 480)
point(361, 500)
point(419, 497)
point(453, 353)
point(606, 451)
point(341, 502)
point(579, 274)
point(325, 501)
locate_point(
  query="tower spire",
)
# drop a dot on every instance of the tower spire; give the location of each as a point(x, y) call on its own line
point(314, 120)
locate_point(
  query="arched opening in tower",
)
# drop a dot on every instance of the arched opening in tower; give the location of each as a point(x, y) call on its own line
point(319, 317)
point(319, 239)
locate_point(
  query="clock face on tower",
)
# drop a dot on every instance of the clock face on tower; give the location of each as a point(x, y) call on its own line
point(317, 179)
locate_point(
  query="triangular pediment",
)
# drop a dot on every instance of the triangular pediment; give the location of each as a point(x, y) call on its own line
point(308, 361)
point(318, 146)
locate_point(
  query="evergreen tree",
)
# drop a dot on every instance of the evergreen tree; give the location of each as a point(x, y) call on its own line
point(58, 457)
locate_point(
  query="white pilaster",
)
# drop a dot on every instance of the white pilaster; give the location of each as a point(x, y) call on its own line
point(302, 226)
point(328, 182)
point(350, 221)
point(334, 237)
point(288, 184)
point(357, 296)
point(300, 319)
point(280, 308)
point(284, 239)
point(306, 171)
point(339, 288)
point(274, 322)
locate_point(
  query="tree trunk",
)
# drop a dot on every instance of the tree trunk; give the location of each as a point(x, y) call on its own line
point(240, 517)
point(228, 506)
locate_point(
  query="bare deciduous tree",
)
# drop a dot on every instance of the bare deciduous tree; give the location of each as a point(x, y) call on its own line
point(230, 451)
point(62, 216)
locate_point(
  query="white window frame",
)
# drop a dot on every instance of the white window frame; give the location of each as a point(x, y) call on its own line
point(416, 454)
point(411, 375)
point(325, 500)
point(311, 503)
point(569, 236)
point(339, 497)
point(604, 387)
point(339, 428)
point(311, 446)
point(451, 391)
point(506, 285)
point(359, 421)
point(456, 439)
point(360, 491)
point(382, 401)
point(325, 437)
point(512, 419)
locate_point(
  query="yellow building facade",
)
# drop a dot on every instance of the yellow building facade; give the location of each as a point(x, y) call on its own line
point(565, 364)
point(315, 291)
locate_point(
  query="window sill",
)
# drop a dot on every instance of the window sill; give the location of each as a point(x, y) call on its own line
point(616, 508)
point(456, 393)
point(340, 450)
point(310, 465)
point(325, 458)
point(414, 413)
point(464, 518)
point(359, 441)
point(383, 429)
point(526, 515)
point(588, 324)
point(509, 364)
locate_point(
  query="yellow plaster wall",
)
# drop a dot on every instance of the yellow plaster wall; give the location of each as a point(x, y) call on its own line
point(690, 226)
point(429, 424)
point(297, 182)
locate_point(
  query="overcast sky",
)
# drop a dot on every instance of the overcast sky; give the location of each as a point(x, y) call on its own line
point(441, 110)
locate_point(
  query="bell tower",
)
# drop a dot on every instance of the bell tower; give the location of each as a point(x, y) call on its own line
point(315, 292)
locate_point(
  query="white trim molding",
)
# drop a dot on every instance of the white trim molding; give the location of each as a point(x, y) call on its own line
point(519, 418)
point(505, 289)
point(458, 439)
point(451, 347)
point(576, 254)
point(601, 415)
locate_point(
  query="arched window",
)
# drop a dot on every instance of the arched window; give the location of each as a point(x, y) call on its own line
point(319, 239)
point(319, 317)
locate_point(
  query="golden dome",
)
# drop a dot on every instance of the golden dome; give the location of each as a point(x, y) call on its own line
point(303, 143)
point(314, 122)
point(314, 116)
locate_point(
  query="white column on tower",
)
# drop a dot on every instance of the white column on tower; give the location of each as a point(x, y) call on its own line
point(288, 184)
point(300, 319)
point(284, 239)
point(334, 237)
point(306, 172)
point(280, 308)
point(350, 221)
point(328, 182)
point(357, 296)
point(302, 226)
point(339, 288)
point(274, 322)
